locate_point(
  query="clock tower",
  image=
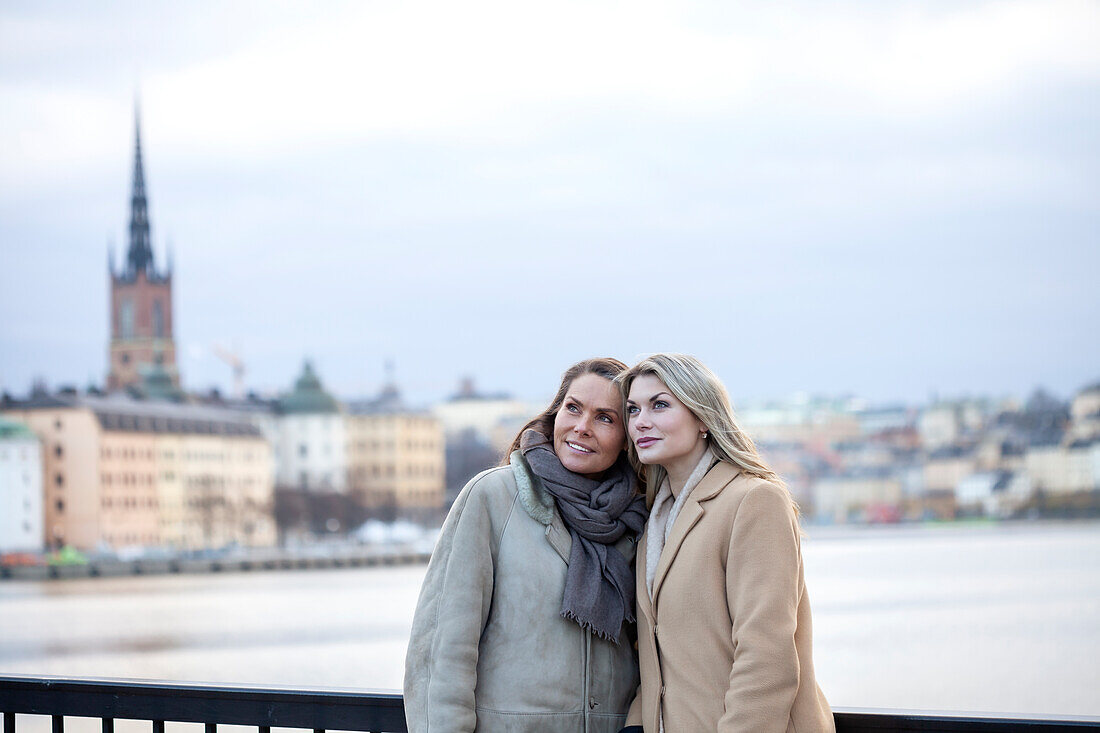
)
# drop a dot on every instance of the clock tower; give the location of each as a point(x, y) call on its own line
point(141, 300)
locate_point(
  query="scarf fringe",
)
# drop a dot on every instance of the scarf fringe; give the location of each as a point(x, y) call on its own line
point(587, 625)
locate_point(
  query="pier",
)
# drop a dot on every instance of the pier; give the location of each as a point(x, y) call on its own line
point(344, 556)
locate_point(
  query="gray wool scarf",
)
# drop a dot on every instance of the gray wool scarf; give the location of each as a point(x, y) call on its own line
point(599, 583)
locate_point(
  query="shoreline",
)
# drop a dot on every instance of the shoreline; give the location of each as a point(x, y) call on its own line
point(261, 561)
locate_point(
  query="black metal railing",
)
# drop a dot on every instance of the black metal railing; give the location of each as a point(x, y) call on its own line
point(363, 710)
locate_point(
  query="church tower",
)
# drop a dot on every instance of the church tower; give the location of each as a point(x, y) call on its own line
point(142, 345)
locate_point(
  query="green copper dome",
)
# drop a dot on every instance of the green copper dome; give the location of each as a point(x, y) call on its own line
point(308, 395)
point(13, 429)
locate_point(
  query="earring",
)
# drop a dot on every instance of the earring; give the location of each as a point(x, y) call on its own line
point(704, 435)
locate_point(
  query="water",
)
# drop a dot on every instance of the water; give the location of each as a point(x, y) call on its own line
point(1002, 619)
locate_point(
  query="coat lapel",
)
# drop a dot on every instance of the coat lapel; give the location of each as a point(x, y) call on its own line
point(689, 517)
point(715, 480)
point(645, 605)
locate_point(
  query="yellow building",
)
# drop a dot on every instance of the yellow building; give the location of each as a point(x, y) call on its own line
point(122, 473)
point(395, 457)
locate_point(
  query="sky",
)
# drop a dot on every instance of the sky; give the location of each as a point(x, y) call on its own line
point(894, 200)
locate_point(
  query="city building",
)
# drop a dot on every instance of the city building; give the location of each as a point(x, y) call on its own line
point(482, 413)
point(1085, 413)
point(870, 494)
point(20, 488)
point(478, 428)
point(120, 472)
point(310, 440)
point(141, 301)
point(1064, 469)
point(993, 493)
point(802, 419)
point(395, 457)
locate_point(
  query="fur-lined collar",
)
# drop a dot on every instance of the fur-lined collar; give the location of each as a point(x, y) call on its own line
point(536, 500)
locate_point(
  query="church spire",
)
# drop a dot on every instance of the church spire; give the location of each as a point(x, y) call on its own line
point(140, 256)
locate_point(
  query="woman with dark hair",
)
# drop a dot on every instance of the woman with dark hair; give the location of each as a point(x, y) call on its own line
point(522, 622)
point(724, 631)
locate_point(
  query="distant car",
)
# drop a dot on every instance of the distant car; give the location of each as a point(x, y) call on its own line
point(67, 555)
point(21, 559)
point(883, 514)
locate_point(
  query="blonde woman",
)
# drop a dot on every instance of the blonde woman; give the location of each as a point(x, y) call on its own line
point(723, 617)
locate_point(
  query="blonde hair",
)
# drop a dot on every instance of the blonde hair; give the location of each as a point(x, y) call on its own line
point(704, 394)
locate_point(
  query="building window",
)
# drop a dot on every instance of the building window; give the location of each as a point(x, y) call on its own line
point(302, 450)
point(57, 424)
point(58, 451)
point(60, 506)
point(126, 319)
point(158, 320)
point(59, 480)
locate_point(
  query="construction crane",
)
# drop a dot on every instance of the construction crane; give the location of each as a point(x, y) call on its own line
point(233, 359)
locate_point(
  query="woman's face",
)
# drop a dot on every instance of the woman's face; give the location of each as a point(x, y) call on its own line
point(588, 429)
point(665, 432)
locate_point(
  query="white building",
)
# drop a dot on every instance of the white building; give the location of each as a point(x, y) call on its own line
point(1060, 469)
point(494, 418)
point(310, 438)
point(21, 511)
point(996, 493)
point(939, 426)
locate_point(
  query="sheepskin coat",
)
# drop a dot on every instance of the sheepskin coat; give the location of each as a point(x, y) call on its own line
point(489, 649)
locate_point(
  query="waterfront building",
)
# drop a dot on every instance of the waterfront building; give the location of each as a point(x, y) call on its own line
point(993, 493)
point(120, 472)
point(1064, 468)
point(945, 467)
point(20, 488)
point(939, 426)
point(802, 419)
point(484, 414)
point(310, 440)
point(478, 428)
point(1085, 413)
point(868, 494)
point(887, 419)
point(395, 456)
point(141, 324)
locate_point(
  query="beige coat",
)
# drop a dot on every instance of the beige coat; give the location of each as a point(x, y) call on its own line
point(726, 643)
point(489, 649)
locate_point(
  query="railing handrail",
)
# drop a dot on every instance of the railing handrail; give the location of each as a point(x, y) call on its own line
point(380, 710)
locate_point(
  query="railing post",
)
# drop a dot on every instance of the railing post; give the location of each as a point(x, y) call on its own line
point(9, 722)
point(108, 725)
point(58, 723)
point(158, 726)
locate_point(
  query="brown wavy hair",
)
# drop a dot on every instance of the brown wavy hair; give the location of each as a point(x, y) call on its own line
point(607, 368)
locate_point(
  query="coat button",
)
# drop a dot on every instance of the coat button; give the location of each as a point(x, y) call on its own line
point(592, 704)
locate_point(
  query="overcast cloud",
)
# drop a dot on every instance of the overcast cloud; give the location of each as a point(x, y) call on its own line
point(891, 199)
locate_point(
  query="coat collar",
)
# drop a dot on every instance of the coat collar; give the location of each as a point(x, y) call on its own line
point(539, 505)
point(716, 479)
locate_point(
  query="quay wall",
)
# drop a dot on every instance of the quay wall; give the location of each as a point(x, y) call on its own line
point(259, 562)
